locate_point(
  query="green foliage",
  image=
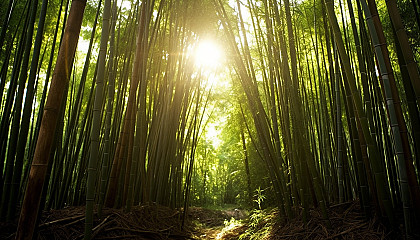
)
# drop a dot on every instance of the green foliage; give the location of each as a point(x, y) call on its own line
point(259, 197)
point(411, 26)
point(259, 225)
point(202, 18)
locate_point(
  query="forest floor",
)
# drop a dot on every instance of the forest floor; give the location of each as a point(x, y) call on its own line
point(346, 221)
point(157, 222)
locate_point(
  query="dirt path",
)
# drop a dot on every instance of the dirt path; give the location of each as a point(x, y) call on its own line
point(211, 233)
point(218, 224)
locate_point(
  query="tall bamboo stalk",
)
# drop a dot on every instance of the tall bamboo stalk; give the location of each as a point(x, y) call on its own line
point(26, 116)
point(375, 160)
point(96, 123)
point(14, 131)
point(61, 74)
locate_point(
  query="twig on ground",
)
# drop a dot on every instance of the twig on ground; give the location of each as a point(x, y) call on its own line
point(347, 231)
point(60, 220)
point(98, 228)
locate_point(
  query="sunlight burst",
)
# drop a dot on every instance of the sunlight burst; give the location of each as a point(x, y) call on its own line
point(208, 55)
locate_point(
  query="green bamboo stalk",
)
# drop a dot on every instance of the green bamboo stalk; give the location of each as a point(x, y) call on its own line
point(44, 92)
point(96, 124)
point(377, 165)
point(412, 71)
point(392, 114)
point(339, 136)
point(246, 164)
point(83, 145)
point(7, 17)
point(14, 134)
point(110, 102)
point(129, 117)
point(71, 132)
point(31, 201)
point(26, 116)
point(7, 110)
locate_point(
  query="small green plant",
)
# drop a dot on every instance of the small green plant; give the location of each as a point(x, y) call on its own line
point(259, 225)
point(255, 218)
point(259, 197)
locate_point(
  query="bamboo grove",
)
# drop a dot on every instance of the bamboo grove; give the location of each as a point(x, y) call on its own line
point(326, 97)
point(324, 101)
